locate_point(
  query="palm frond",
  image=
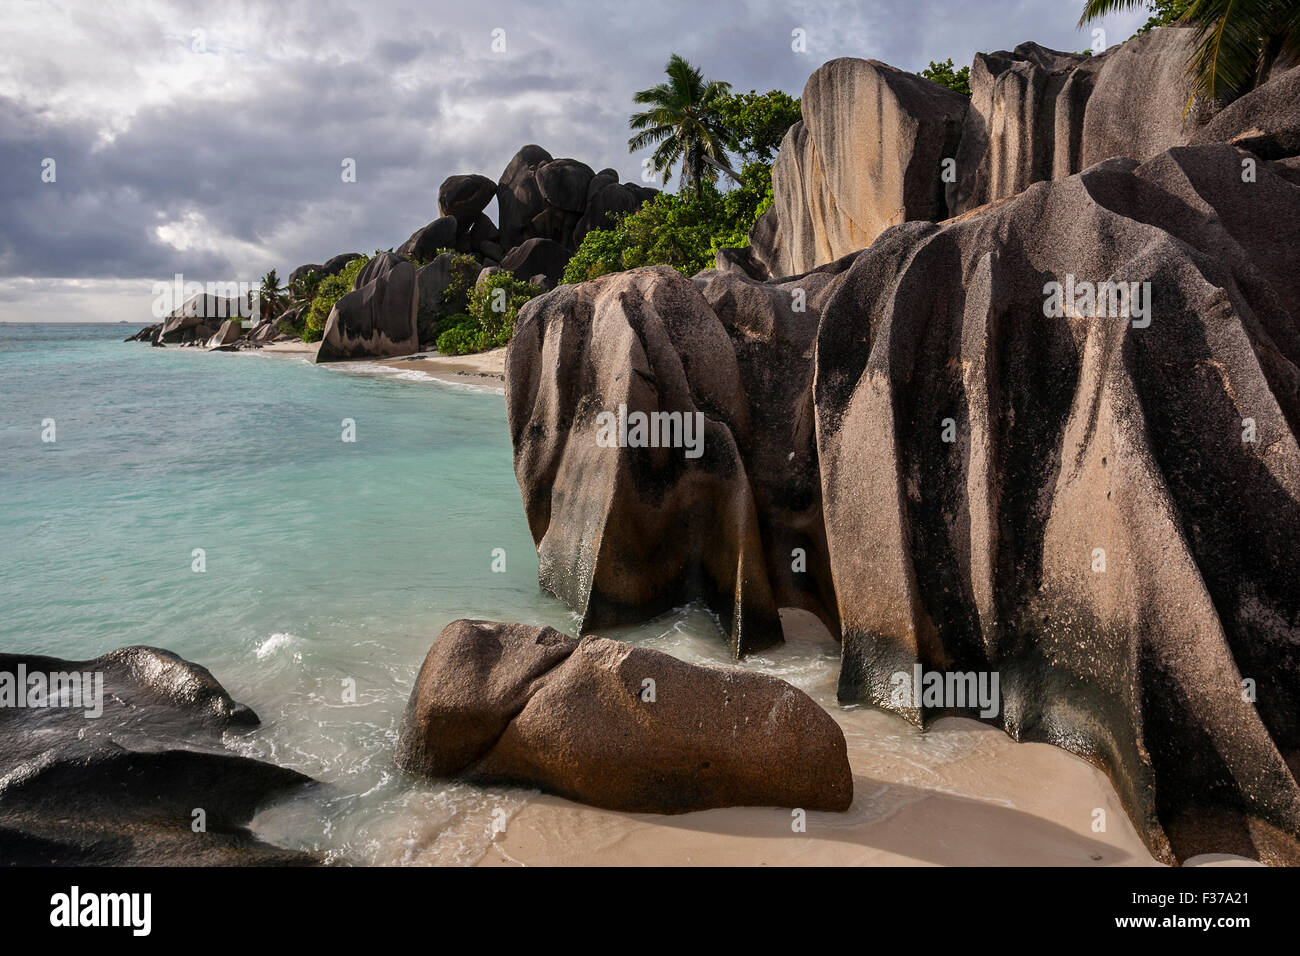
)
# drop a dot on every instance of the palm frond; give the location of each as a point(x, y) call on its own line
point(1093, 9)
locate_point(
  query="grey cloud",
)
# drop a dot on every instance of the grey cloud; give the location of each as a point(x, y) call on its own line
point(412, 93)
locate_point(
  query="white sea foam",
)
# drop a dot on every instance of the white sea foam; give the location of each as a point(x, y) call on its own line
point(274, 643)
point(416, 375)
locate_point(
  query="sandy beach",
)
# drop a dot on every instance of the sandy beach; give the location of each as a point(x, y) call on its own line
point(966, 795)
point(961, 794)
point(481, 369)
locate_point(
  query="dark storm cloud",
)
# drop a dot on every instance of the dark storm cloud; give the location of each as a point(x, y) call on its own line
point(234, 150)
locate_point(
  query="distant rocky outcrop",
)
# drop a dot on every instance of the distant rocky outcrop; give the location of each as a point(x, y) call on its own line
point(231, 331)
point(426, 241)
point(378, 317)
point(331, 267)
point(194, 322)
point(546, 206)
point(560, 200)
point(537, 256)
point(616, 726)
point(123, 787)
point(1001, 487)
point(465, 197)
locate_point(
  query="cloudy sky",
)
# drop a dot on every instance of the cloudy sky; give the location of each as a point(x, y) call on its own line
point(208, 138)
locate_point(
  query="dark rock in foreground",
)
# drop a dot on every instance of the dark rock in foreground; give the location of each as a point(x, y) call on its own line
point(122, 788)
point(529, 706)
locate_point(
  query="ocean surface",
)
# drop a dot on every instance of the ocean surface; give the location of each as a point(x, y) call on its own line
point(328, 564)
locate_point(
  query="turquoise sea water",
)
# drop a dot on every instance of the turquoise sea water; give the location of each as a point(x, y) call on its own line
point(327, 562)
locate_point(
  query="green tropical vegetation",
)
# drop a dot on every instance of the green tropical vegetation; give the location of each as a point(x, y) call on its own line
point(682, 231)
point(1236, 44)
point(701, 124)
point(685, 125)
point(943, 73)
point(755, 123)
point(464, 273)
point(271, 296)
point(489, 318)
point(328, 292)
point(1163, 12)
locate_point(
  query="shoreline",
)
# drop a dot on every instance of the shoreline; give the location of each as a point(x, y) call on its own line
point(961, 793)
point(478, 371)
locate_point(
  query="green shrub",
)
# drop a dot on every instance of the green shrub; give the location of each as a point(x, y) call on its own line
point(458, 336)
point(601, 251)
point(464, 272)
point(495, 304)
point(329, 292)
point(943, 73)
point(684, 231)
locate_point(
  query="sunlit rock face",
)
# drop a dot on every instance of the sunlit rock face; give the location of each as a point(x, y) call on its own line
point(878, 147)
point(866, 156)
point(617, 726)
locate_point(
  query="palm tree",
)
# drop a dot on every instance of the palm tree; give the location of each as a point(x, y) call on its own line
point(1237, 41)
point(302, 290)
point(271, 296)
point(683, 119)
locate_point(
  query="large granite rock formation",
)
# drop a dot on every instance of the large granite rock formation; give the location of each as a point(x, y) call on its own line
point(878, 147)
point(431, 282)
point(535, 256)
point(563, 183)
point(379, 317)
point(867, 155)
point(230, 332)
point(122, 787)
point(616, 726)
point(424, 243)
point(559, 200)
point(1103, 510)
point(1078, 535)
point(1265, 121)
point(625, 532)
point(519, 197)
point(331, 267)
point(465, 197)
point(197, 319)
point(1039, 114)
